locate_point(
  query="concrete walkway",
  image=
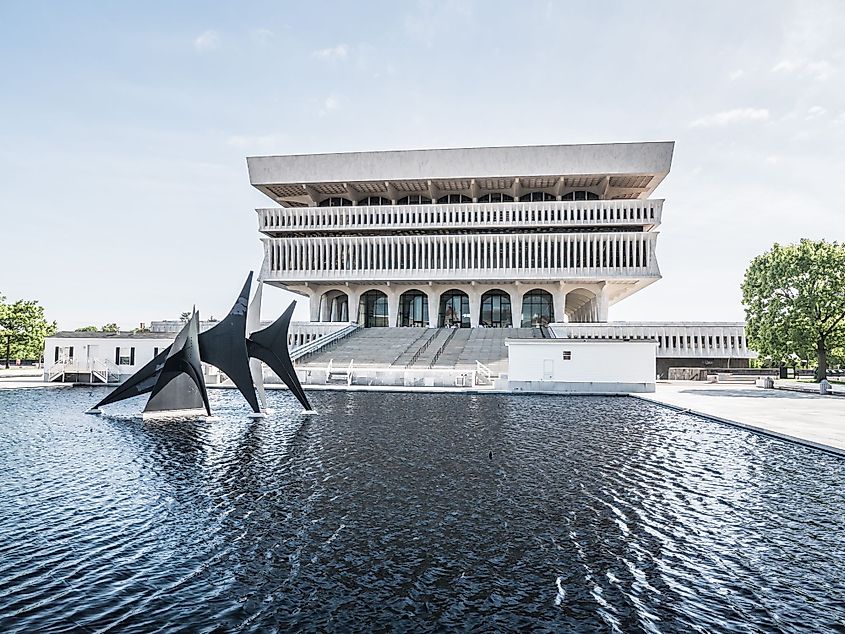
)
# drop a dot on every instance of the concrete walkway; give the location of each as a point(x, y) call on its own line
point(810, 419)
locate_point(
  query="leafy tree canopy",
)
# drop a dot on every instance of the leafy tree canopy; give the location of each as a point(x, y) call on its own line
point(24, 324)
point(86, 329)
point(794, 297)
point(110, 328)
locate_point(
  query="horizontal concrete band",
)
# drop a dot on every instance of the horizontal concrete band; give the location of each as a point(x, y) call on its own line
point(585, 388)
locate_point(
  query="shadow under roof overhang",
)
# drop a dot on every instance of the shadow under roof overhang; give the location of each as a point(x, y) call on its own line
point(620, 170)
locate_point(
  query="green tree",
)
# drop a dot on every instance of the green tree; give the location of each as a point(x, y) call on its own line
point(794, 297)
point(86, 329)
point(23, 328)
point(110, 328)
point(184, 317)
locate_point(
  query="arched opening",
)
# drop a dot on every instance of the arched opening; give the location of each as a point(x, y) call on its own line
point(495, 197)
point(580, 195)
point(454, 310)
point(496, 310)
point(451, 199)
point(335, 201)
point(538, 308)
point(533, 197)
point(370, 201)
point(334, 306)
point(413, 309)
point(579, 303)
point(415, 199)
point(372, 310)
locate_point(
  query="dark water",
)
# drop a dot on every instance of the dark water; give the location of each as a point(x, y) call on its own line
point(386, 512)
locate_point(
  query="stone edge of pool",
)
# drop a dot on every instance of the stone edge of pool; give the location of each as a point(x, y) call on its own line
point(837, 451)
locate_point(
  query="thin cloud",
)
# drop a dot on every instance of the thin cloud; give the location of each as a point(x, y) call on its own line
point(206, 41)
point(334, 53)
point(736, 74)
point(728, 117)
point(331, 104)
point(815, 112)
point(262, 36)
point(818, 70)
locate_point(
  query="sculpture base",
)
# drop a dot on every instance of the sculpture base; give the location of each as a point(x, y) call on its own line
point(257, 415)
point(94, 410)
point(175, 413)
point(308, 411)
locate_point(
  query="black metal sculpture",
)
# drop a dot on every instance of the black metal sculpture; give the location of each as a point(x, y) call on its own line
point(180, 385)
point(175, 376)
point(270, 345)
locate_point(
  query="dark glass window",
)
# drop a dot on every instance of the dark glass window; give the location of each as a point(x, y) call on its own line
point(374, 200)
point(580, 195)
point(537, 308)
point(372, 311)
point(415, 199)
point(495, 197)
point(335, 201)
point(450, 199)
point(454, 310)
point(496, 310)
point(413, 309)
point(535, 197)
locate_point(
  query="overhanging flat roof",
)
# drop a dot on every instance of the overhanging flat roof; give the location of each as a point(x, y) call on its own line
point(633, 170)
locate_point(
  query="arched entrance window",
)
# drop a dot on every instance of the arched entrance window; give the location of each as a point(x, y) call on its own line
point(454, 310)
point(536, 197)
point(413, 309)
point(372, 311)
point(335, 201)
point(496, 197)
point(580, 195)
point(334, 306)
point(451, 199)
point(537, 308)
point(496, 310)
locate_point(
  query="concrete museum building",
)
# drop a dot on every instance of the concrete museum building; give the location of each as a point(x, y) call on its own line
point(545, 237)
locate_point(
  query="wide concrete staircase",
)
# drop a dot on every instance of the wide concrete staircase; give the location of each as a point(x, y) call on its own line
point(378, 347)
point(423, 348)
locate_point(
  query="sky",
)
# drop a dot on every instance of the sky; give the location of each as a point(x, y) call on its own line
point(124, 127)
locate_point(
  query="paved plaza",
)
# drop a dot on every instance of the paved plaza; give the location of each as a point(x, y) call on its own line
point(804, 417)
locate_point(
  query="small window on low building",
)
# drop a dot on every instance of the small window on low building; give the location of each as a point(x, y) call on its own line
point(567, 355)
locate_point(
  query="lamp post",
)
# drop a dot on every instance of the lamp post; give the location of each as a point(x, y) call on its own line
point(8, 335)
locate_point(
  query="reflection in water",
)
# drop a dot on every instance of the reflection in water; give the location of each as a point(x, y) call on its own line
point(387, 511)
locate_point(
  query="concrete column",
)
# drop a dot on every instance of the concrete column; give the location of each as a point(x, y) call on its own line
point(325, 307)
point(314, 299)
point(392, 307)
point(354, 299)
point(559, 302)
point(516, 305)
point(602, 304)
point(474, 307)
point(433, 295)
point(333, 313)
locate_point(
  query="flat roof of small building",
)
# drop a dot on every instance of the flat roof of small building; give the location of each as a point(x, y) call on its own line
point(627, 170)
point(99, 334)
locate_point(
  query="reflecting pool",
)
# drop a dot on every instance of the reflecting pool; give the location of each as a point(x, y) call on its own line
point(412, 512)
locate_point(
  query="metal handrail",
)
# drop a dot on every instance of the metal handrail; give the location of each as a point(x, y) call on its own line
point(442, 348)
point(423, 348)
point(321, 342)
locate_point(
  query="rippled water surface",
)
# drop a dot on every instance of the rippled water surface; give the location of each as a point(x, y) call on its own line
point(386, 511)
